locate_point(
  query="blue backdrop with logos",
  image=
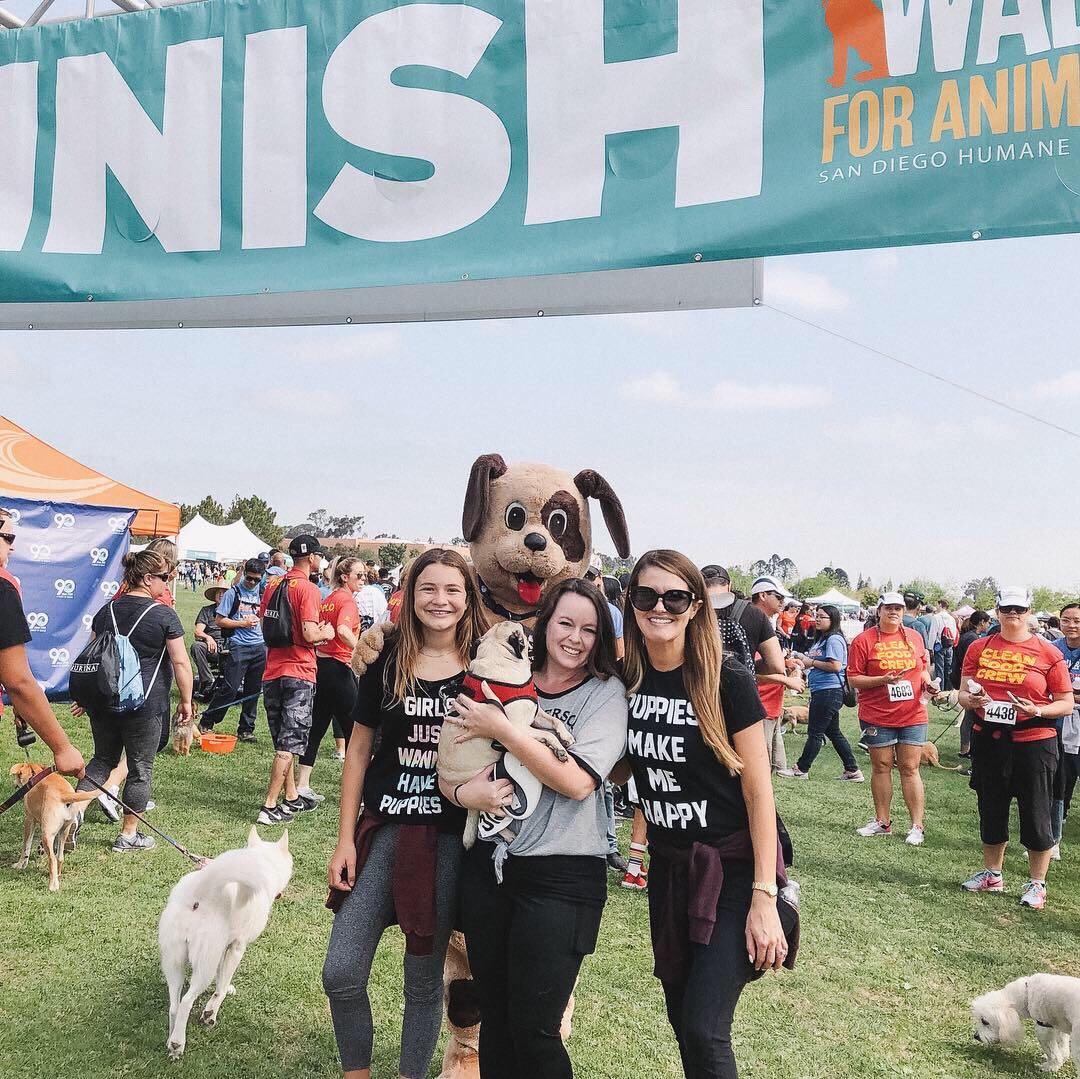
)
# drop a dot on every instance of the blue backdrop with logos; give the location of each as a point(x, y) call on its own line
point(69, 561)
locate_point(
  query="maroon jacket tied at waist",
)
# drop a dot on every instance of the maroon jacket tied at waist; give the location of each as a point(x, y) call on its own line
point(413, 885)
point(685, 885)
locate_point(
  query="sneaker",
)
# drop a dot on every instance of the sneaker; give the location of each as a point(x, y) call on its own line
point(875, 827)
point(1055, 853)
point(73, 835)
point(616, 862)
point(637, 883)
point(126, 843)
point(150, 805)
point(313, 796)
point(274, 815)
point(915, 837)
point(108, 806)
point(1033, 895)
point(794, 772)
point(300, 804)
point(855, 776)
point(247, 736)
point(986, 880)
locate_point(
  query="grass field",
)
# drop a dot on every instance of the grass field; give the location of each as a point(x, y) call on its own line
point(892, 949)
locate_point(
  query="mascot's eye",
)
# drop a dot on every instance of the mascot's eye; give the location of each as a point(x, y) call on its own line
point(515, 516)
point(556, 523)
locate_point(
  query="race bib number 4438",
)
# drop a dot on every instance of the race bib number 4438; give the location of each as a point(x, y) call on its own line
point(1000, 712)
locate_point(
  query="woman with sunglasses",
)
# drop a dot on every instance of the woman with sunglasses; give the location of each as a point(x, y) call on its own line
point(531, 906)
point(697, 750)
point(155, 633)
point(1019, 686)
point(824, 663)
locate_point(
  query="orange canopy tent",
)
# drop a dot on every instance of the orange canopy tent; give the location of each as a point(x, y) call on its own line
point(30, 468)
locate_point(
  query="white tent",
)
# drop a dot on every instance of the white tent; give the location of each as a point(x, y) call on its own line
point(837, 599)
point(218, 543)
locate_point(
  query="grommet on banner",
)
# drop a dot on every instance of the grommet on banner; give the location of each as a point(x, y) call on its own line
point(464, 277)
point(976, 235)
point(757, 301)
point(348, 320)
point(30, 326)
point(179, 325)
point(697, 257)
point(89, 299)
point(539, 314)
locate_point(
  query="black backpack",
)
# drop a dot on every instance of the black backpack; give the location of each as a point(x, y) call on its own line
point(277, 619)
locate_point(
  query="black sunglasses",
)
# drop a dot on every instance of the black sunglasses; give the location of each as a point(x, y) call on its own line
point(160, 576)
point(675, 600)
point(1011, 609)
point(8, 538)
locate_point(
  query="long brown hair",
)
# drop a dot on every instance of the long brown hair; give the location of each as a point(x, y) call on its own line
point(703, 657)
point(137, 564)
point(601, 661)
point(473, 624)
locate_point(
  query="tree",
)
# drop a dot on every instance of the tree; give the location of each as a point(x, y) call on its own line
point(812, 586)
point(612, 566)
point(458, 541)
point(345, 525)
point(1049, 599)
point(210, 509)
point(187, 513)
point(259, 516)
point(930, 591)
point(391, 555)
point(774, 566)
point(981, 592)
point(838, 576)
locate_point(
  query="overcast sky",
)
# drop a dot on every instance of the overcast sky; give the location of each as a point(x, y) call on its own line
point(728, 434)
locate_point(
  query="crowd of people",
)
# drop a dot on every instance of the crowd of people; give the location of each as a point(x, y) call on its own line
point(674, 688)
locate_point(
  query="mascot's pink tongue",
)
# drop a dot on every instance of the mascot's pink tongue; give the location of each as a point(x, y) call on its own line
point(529, 592)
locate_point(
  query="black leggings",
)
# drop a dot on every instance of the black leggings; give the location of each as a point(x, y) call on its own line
point(824, 723)
point(701, 1007)
point(335, 695)
point(526, 939)
point(138, 734)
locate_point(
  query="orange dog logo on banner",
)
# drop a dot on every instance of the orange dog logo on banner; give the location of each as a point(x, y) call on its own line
point(858, 25)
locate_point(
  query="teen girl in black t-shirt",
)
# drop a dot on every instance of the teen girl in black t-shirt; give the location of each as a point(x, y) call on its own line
point(697, 749)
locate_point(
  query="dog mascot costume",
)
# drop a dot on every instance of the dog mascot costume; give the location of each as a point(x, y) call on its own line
point(528, 528)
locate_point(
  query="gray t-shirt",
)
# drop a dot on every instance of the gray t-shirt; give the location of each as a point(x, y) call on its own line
point(595, 712)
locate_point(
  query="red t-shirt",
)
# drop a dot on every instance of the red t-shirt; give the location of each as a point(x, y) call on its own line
point(873, 653)
point(1033, 669)
point(296, 660)
point(393, 606)
point(785, 622)
point(772, 698)
point(339, 609)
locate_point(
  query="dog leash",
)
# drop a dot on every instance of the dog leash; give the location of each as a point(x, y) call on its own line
point(197, 859)
point(26, 788)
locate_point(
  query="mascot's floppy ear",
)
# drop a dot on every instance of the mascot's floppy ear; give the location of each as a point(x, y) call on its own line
point(592, 485)
point(485, 469)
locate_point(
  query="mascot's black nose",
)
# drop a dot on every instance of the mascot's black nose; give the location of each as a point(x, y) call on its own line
point(535, 542)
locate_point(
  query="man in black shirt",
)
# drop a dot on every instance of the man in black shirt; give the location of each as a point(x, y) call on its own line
point(754, 622)
point(15, 675)
point(208, 642)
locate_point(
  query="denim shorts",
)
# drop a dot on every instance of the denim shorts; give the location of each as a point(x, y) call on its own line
point(288, 703)
point(882, 737)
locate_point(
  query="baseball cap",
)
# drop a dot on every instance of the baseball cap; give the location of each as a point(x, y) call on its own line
point(715, 573)
point(768, 584)
point(911, 597)
point(301, 546)
point(264, 557)
point(1013, 596)
point(891, 599)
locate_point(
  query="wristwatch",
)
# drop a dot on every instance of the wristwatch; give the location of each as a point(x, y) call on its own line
point(769, 889)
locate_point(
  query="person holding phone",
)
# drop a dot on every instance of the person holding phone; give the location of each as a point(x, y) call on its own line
point(889, 666)
point(1019, 686)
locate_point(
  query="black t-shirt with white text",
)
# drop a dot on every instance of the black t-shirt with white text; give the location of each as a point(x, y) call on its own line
point(401, 783)
point(13, 627)
point(686, 794)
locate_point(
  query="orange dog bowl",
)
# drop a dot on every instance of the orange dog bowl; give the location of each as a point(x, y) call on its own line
point(219, 743)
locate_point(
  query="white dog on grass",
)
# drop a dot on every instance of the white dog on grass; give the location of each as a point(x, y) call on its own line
point(1052, 1000)
point(213, 914)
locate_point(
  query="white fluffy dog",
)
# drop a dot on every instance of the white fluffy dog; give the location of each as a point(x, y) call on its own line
point(1052, 1000)
point(213, 914)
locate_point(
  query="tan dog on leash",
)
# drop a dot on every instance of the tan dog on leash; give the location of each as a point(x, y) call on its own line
point(53, 806)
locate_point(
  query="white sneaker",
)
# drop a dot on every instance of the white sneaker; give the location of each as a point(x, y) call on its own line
point(109, 807)
point(875, 827)
point(915, 837)
point(1055, 853)
point(852, 777)
point(307, 792)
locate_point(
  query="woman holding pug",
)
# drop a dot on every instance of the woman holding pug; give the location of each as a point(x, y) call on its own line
point(889, 666)
point(400, 861)
point(531, 907)
point(697, 749)
point(1019, 686)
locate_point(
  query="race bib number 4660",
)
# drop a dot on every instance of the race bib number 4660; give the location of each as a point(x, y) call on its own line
point(901, 691)
point(1000, 712)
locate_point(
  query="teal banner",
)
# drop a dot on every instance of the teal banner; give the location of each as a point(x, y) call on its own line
point(243, 147)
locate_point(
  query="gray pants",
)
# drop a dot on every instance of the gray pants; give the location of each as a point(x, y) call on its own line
point(358, 927)
point(139, 734)
point(774, 743)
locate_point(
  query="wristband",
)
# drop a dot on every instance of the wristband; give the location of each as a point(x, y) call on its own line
point(453, 797)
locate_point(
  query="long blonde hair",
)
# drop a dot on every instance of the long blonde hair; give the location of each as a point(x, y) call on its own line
point(703, 657)
point(410, 638)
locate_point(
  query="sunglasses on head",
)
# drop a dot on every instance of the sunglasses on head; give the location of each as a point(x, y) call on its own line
point(1012, 609)
point(675, 600)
